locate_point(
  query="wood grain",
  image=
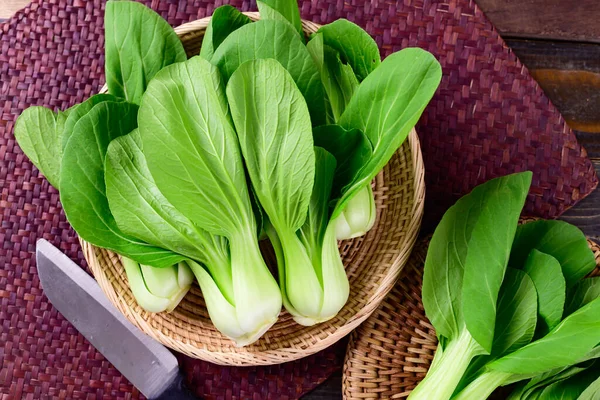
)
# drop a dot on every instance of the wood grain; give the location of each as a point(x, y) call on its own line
point(575, 20)
point(569, 73)
point(9, 7)
point(586, 215)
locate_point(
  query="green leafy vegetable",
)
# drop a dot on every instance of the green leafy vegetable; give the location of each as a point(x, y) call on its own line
point(288, 9)
point(273, 126)
point(592, 392)
point(401, 87)
point(356, 46)
point(559, 239)
point(193, 154)
point(319, 235)
point(269, 13)
point(492, 248)
point(517, 313)
point(254, 41)
point(351, 148)
point(83, 189)
point(546, 273)
point(78, 111)
point(529, 388)
point(459, 296)
point(339, 81)
point(515, 322)
point(138, 43)
point(141, 210)
point(172, 196)
point(312, 235)
point(39, 132)
point(581, 294)
point(567, 343)
point(224, 20)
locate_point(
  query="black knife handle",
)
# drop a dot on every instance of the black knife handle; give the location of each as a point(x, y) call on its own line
point(177, 391)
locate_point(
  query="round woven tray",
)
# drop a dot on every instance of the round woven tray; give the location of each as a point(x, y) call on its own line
point(389, 354)
point(373, 264)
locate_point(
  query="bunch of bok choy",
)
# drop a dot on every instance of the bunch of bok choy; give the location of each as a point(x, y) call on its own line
point(184, 162)
point(509, 303)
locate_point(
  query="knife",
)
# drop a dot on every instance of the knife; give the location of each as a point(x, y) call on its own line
point(147, 364)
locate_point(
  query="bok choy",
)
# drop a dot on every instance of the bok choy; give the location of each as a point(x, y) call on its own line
point(498, 296)
point(182, 164)
point(192, 152)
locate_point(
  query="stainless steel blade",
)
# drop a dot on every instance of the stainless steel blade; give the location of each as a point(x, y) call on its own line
point(147, 364)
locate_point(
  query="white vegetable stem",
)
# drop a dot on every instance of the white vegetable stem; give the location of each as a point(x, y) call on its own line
point(256, 297)
point(319, 288)
point(358, 217)
point(444, 376)
point(483, 386)
point(157, 289)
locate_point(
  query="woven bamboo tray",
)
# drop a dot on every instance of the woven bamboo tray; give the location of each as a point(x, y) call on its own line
point(390, 353)
point(372, 262)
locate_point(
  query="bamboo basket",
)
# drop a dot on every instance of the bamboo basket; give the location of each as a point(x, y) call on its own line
point(390, 353)
point(373, 264)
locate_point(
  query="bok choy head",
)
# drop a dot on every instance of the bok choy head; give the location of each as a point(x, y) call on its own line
point(274, 129)
point(193, 155)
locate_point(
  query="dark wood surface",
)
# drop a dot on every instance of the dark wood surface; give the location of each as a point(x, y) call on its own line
point(575, 20)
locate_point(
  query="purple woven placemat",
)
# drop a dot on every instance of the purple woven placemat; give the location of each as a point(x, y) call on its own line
point(488, 118)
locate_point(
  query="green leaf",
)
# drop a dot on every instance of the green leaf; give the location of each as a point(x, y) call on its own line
point(273, 126)
point(141, 210)
point(515, 321)
point(490, 211)
point(138, 44)
point(79, 111)
point(564, 386)
point(537, 383)
point(387, 105)
point(356, 46)
point(83, 190)
point(559, 239)
point(567, 343)
point(255, 41)
point(39, 131)
point(546, 273)
point(312, 233)
point(592, 392)
point(191, 147)
point(313, 230)
point(351, 148)
point(269, 13)
point(517, 313)
point(224, 20)
point(288, 9)
point(193, 154)
point(581, 294)
point(489, 250)
point(339, 81)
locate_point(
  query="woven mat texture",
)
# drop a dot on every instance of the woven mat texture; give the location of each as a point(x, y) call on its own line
point(488, 118)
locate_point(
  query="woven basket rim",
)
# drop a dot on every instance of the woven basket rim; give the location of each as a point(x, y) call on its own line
point(274, 356)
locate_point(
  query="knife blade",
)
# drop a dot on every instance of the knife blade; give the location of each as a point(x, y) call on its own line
point(147, 364)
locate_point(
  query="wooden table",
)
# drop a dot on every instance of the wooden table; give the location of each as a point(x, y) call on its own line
point(559, 42)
